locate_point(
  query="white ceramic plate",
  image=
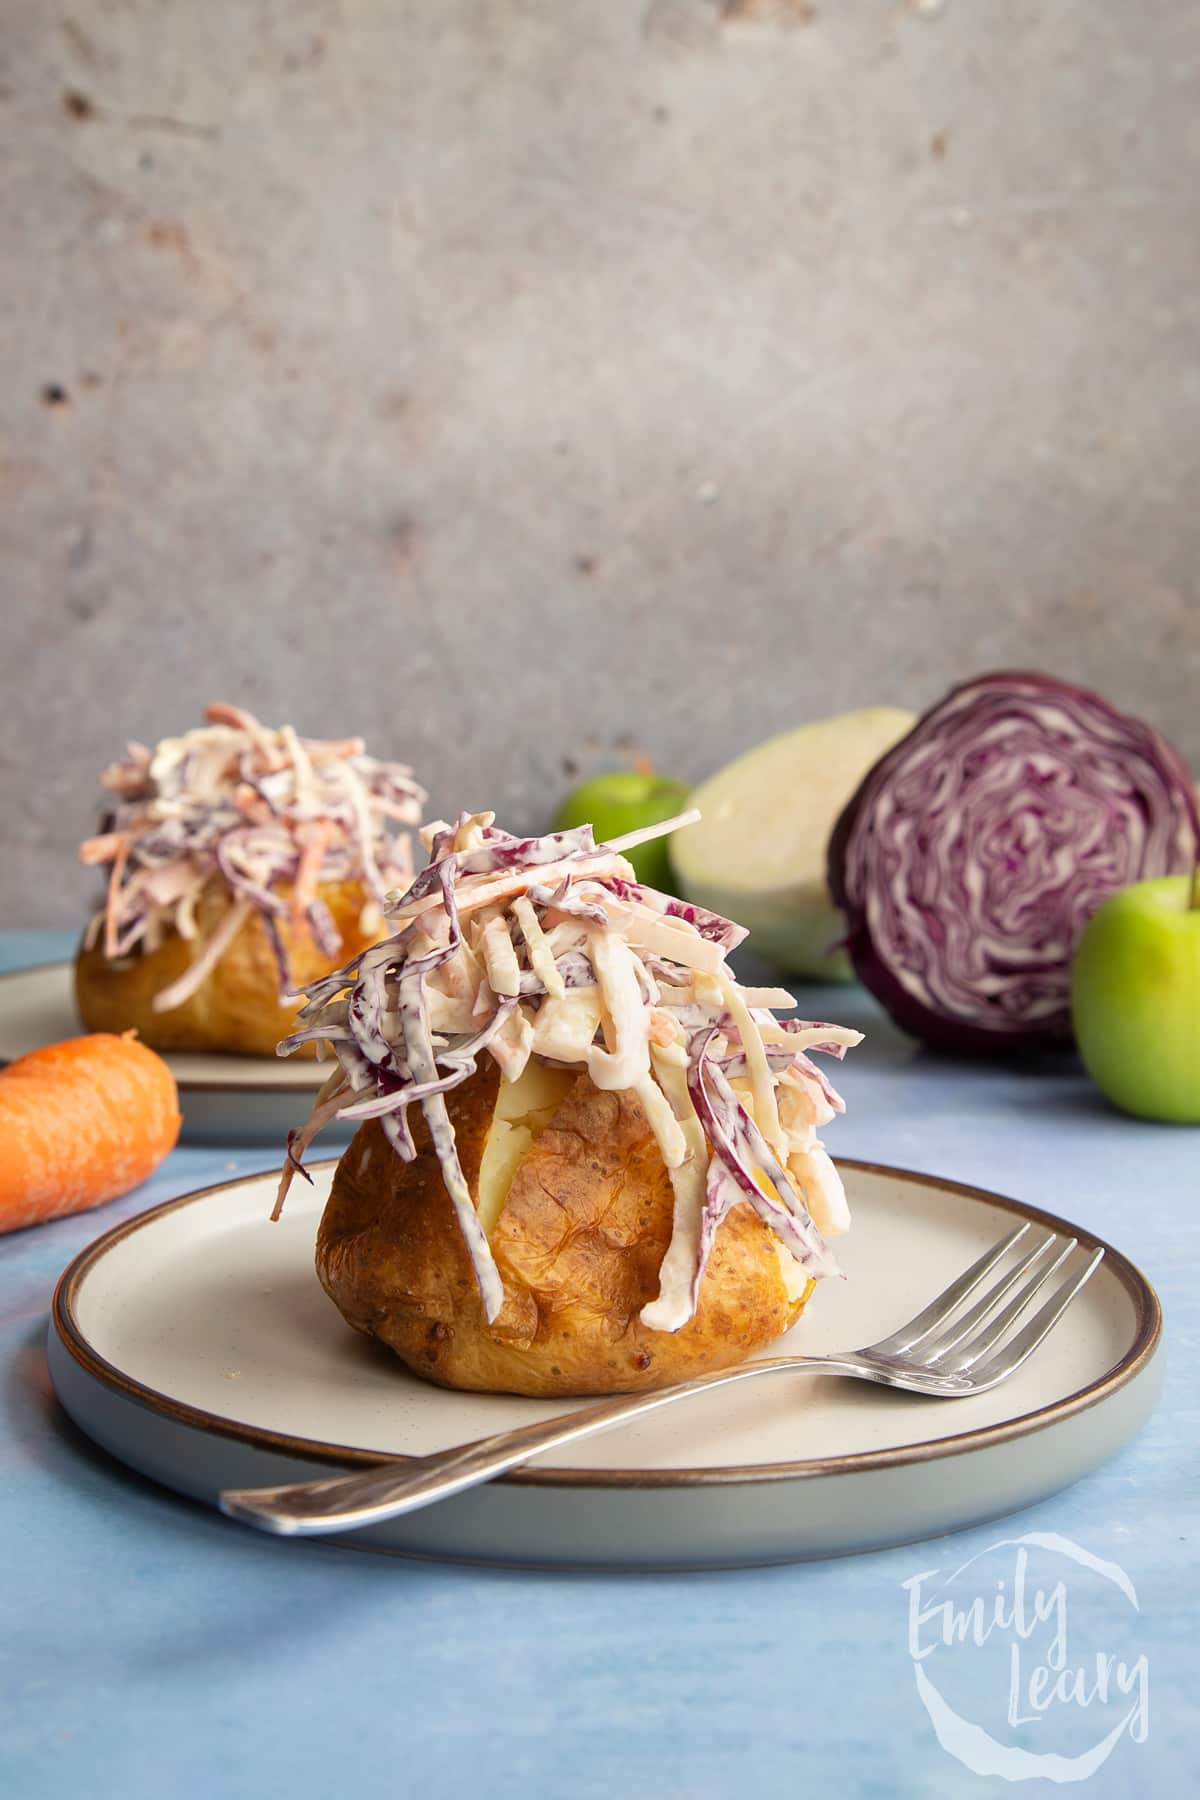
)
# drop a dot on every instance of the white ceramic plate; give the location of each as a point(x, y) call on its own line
point(195, 1343)
point(223, 1098)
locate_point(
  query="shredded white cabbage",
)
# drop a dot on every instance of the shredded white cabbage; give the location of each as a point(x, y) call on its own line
point(499, 957)
point(548, 947)
point(541, 957)
point(256, 810)
point(628, 1059)
point(564, 1030)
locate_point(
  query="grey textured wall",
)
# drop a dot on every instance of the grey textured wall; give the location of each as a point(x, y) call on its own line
point(518, 381)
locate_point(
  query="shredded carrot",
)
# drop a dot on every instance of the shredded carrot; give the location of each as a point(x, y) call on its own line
point(314, 840)
point(101, 849)
point(662, 1029)
point(334, 749)
point(500, 887)
point(252, 805)
point(184, 815)
point(220, 714)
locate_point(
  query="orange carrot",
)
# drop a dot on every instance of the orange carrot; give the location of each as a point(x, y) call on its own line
point(81, 1122)
point(220, 714)
point(101, 849)
point(314, 840)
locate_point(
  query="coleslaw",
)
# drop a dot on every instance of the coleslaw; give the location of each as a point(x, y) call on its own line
point(549, 947)
point(259, 809)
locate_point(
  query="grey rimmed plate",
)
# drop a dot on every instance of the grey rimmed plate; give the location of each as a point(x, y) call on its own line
point(223, 1099)
point(195, 1343)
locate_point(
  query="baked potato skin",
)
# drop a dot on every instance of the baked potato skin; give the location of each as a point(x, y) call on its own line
point(237, 1008)
point(578, 1245)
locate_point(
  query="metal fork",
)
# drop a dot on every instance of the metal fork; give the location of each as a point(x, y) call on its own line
point(950, 1350)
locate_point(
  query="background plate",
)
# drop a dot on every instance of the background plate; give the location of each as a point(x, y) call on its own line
point(224, 1099)
point(195, 1343)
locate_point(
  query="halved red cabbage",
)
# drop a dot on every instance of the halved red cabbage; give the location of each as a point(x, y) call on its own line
point(974, 853)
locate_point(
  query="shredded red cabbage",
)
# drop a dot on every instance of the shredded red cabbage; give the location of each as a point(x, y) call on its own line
point(375, 1015)
point(739, 1148)
point(260, 809)
point(710, 925)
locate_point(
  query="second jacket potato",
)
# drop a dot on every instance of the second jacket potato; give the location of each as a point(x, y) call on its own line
point(237, 1007)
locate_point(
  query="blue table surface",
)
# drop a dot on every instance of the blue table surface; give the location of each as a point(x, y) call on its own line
point(149, 1646)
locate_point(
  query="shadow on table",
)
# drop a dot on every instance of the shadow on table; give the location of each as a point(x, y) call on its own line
point(56, 1444)
point(180, 1547)
point(63, 1452)
point(67, 1455)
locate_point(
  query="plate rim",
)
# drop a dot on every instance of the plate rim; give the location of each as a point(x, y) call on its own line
point(1147, 1335)
point(189, 1084)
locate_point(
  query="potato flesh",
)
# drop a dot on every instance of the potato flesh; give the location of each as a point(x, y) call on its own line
point(579, 1242)
point(523, 1110)
point(796, 1283)
point(236, 1009)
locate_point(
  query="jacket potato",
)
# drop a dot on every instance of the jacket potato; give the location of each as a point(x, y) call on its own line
point(587, 1159)
point(236, 1007)
point(241, 863)
point(577, 1204)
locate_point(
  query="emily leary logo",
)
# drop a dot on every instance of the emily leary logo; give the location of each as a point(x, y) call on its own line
point(1023, 1659)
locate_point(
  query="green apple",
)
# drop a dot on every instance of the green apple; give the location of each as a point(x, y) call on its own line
point(1135, 999)
point(627, 800)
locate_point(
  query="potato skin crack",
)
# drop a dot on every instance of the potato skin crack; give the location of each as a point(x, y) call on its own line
point(579, 1242)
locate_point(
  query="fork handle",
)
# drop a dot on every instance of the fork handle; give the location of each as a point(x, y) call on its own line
point(368, 1496)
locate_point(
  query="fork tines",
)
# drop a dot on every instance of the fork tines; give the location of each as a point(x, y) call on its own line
point(974, 1341)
